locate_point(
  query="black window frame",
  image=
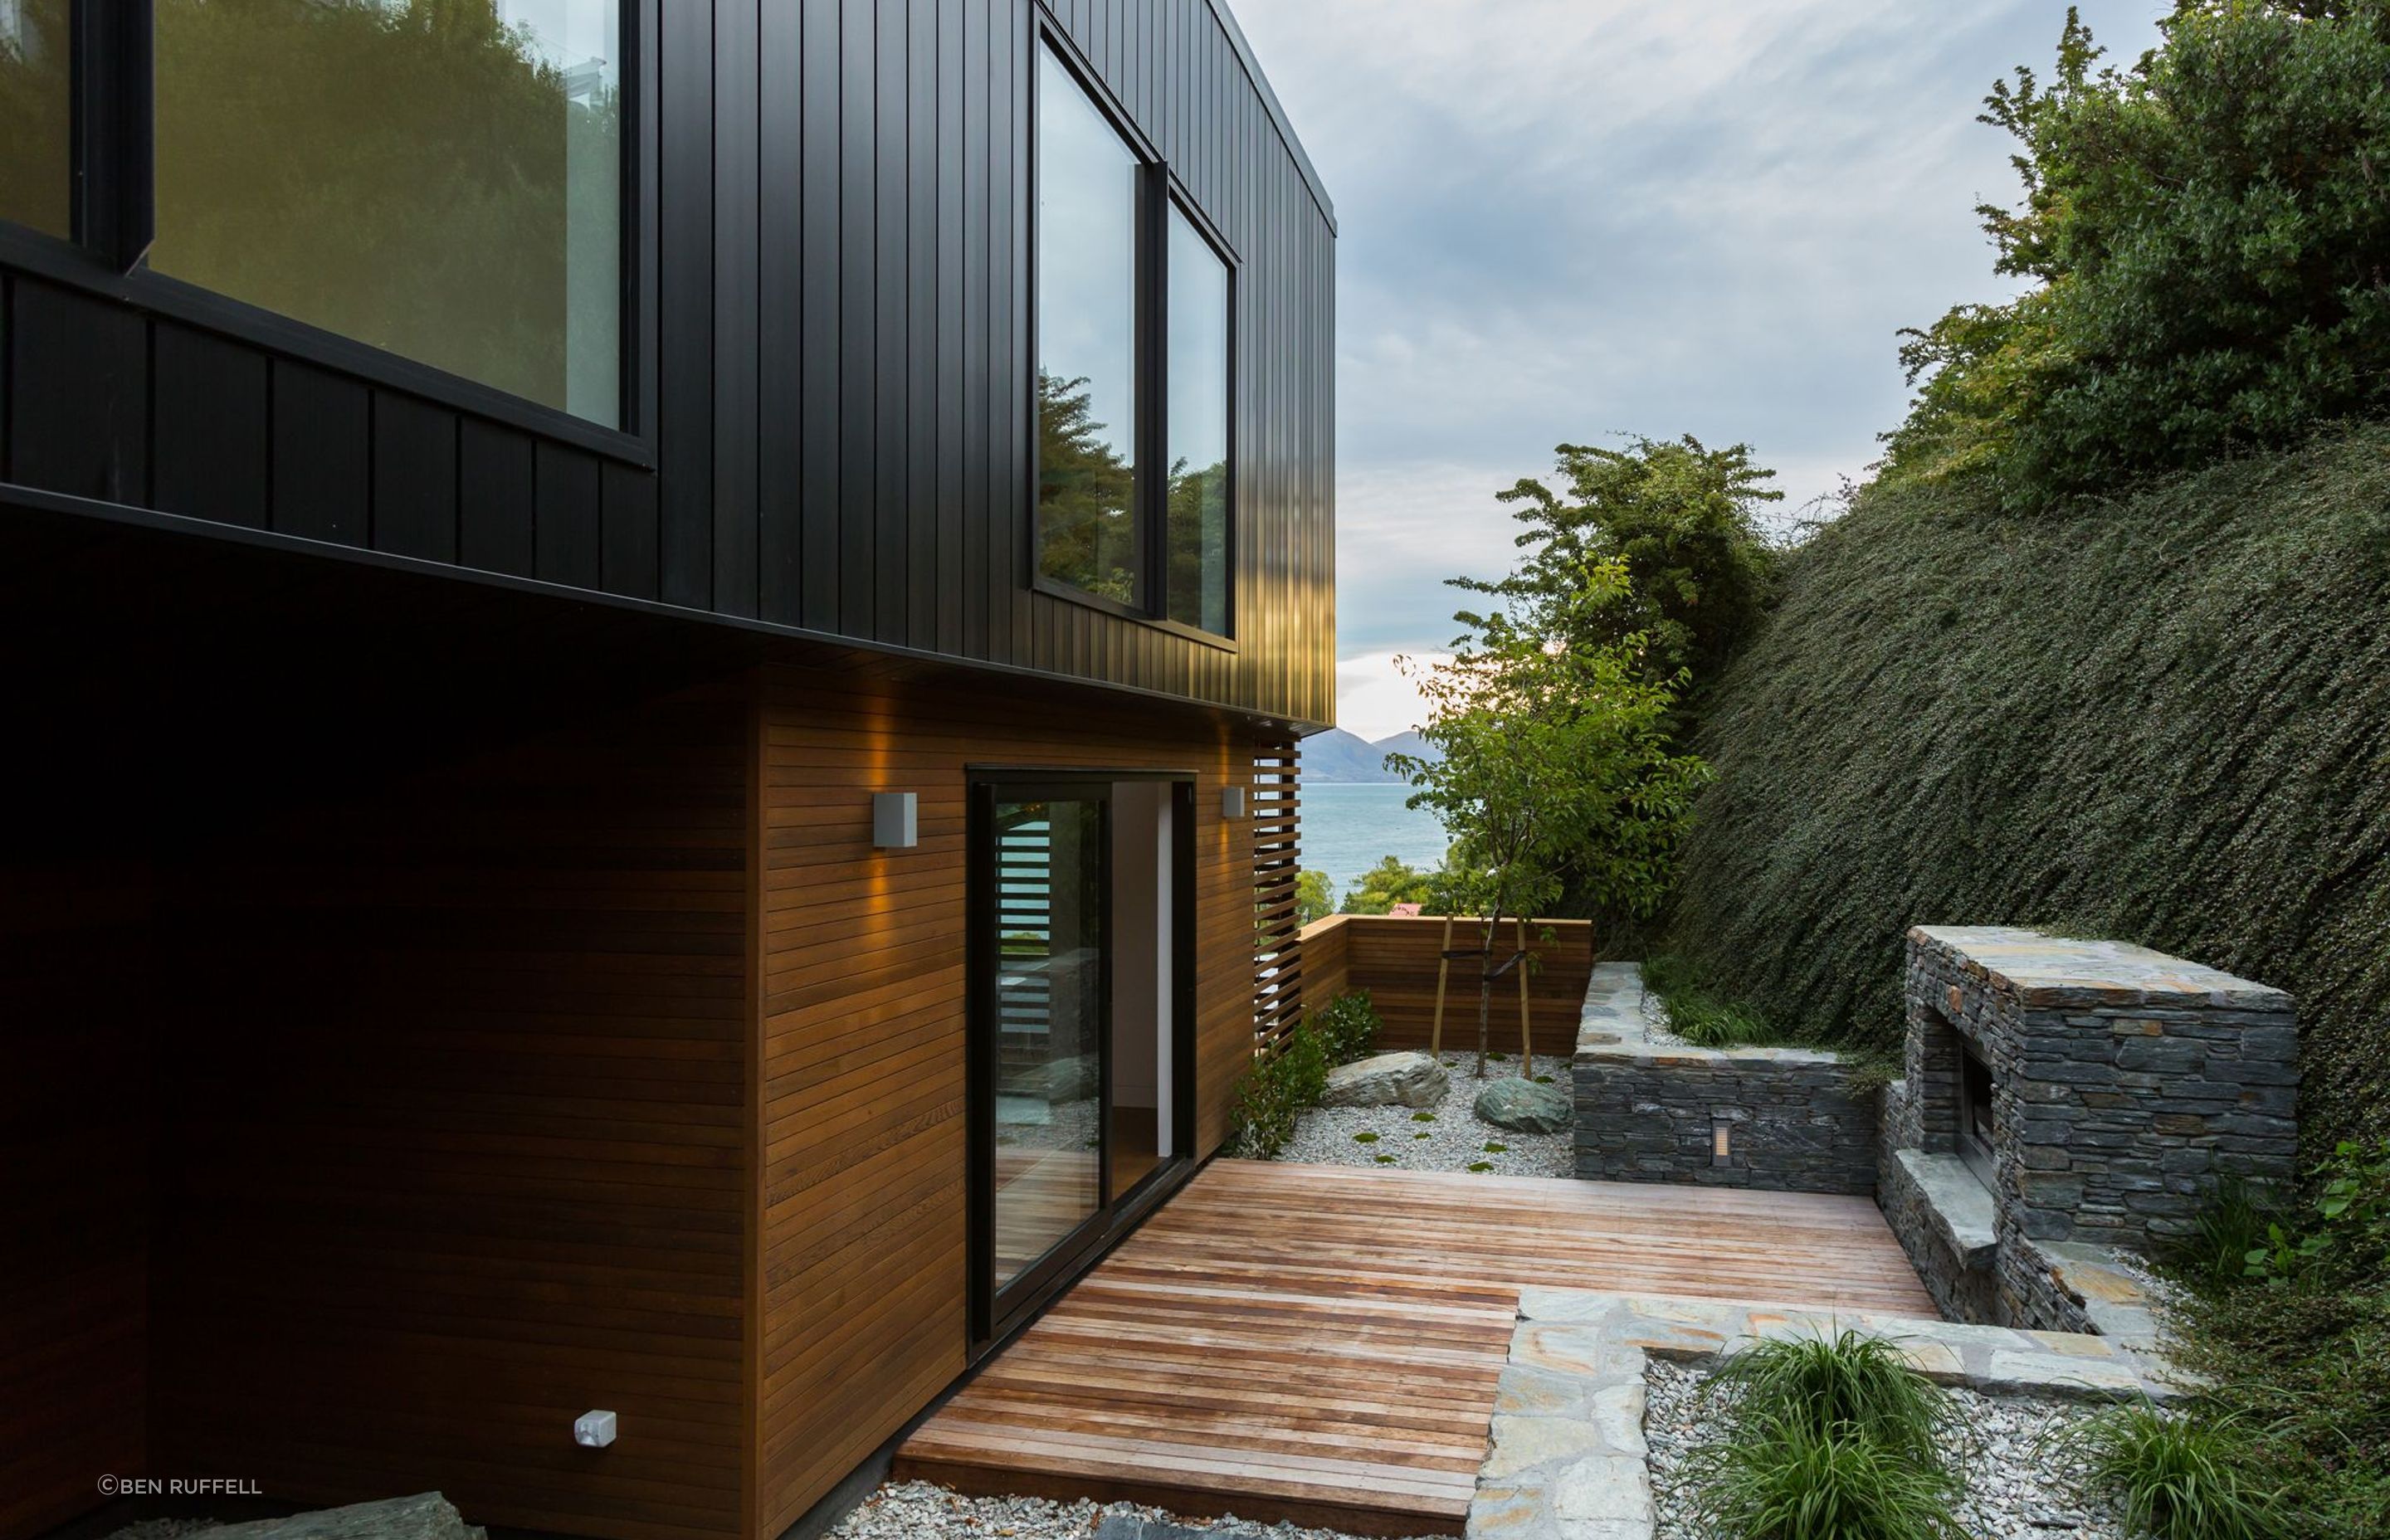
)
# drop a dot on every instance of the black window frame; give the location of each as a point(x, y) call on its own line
point(1159, 190)
point(112, 69)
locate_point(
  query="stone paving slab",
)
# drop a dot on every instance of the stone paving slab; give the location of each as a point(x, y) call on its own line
point(1567, 1459)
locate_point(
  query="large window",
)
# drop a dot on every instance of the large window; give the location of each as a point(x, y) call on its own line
point(36, 125)
point(1196, 527)
point(439, 178)
point(1087, 206)
point(1132, 376)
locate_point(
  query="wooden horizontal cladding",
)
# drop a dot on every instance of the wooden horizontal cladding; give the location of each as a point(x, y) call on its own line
point(460, 1121)
point(837, 306)
point(74, 1189)
point(862, 1151)
point(1395, 957)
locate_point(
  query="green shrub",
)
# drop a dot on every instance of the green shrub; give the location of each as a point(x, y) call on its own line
point(2347, 1235)
point(1782, 1479)
point(1277, 1091)
point(1695, 1013)
point(2296, 1368)
point(1829, 1437)
point(2206, 230)
point(1348, 1026)
point(2234, 1223)
point(2175, 1477)
point(1850, 1384)
point(1364, 1137)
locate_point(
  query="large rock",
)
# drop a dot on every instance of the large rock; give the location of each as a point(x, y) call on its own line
point(1413, 1079)
point(425, 1516)
point(1523, 1107)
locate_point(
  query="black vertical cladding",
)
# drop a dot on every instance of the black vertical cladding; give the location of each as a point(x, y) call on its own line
point(79, 408)
point(494, 498)
point(832, 357)
point(570, 534)
point(685, 323)
point(948, 576)
point(210, 439)
point(629, 557)
point(892, 294)
point(323, 453)
point(858, 403)
point(737, 257)
point(977, 384)
point(414, 478)
point(779, 316)
point(818, 319)
point(921, 251)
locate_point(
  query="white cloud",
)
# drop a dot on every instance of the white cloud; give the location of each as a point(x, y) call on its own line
point(1566, 219)
point(1376, 699)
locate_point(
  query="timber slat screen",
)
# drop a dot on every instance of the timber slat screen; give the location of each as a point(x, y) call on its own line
point(1276, 814)
point(1321, 1343)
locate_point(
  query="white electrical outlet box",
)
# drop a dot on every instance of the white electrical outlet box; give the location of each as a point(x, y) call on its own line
point(593, 1429)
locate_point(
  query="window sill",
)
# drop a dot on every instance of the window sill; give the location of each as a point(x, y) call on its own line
point(1115, 608)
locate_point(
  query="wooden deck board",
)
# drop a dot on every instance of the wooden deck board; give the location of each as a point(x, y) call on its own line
point(1321, 1343)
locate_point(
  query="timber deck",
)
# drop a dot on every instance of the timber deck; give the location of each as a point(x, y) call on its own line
point(1321, 1343)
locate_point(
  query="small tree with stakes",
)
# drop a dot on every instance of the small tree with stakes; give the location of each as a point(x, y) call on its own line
point(1554, 755)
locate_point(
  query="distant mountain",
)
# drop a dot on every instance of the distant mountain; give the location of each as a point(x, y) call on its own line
point(1337, 756)
point(1409, 743)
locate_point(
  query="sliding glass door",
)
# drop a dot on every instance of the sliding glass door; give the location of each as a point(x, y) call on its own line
point(1053, 996)
point(1077, 1081)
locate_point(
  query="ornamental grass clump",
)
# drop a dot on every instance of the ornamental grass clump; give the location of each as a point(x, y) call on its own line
point(1830, 1437)
point(2176, 1478)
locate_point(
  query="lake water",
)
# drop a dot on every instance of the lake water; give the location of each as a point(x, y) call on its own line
point(1347, 829)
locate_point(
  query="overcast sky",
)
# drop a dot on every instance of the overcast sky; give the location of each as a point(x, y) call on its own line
point(1564, 220)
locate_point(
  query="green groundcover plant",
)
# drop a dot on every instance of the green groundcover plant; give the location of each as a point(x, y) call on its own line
point(2174, 1477)
point(1836, 1438)
point(1280, 1087)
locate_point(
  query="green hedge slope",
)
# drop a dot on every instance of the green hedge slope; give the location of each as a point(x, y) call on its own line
point(2165, 719)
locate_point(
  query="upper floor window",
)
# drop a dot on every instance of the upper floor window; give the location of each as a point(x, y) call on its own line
point(1087, 207)
point(1197, 526)
point(36, 115)
point(1132, 373)
point(440, 179)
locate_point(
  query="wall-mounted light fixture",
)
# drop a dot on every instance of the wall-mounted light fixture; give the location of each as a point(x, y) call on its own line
point(1721, 1142)
point(1232, 801)
point(895, 819)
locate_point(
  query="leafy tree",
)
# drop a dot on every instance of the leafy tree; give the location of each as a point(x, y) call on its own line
point(1315, 896)
point(2208, 232)
point(1556, 757)
point(1390, 882)
point(1683, 523)
point(1086, 494)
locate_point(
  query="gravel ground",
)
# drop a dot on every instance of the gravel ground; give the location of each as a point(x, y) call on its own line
point(917, 1510)
point(2012, 1491)
point(1452, 1140)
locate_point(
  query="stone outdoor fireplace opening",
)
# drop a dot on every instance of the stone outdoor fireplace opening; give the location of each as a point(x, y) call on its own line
point(1978, 1124)
point(2063, 1101)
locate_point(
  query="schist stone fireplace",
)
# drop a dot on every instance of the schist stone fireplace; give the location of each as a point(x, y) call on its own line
point(2064, 1100)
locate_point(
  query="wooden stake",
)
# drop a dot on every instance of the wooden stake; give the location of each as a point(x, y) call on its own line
point(1526, 1038)
point(1443, 971)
